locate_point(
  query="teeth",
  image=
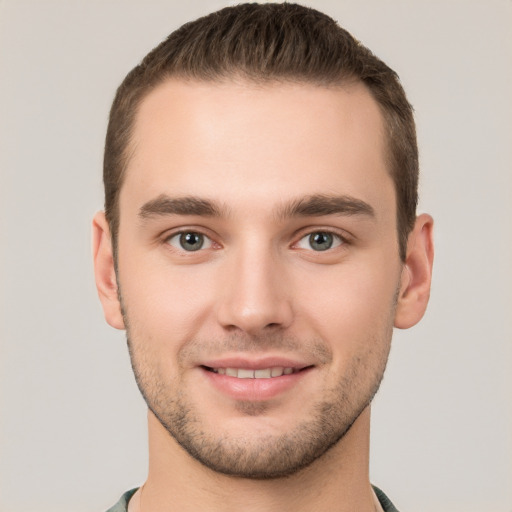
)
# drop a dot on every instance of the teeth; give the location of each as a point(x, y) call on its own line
point(276, 372)
point(243, 373)
point(262, 374)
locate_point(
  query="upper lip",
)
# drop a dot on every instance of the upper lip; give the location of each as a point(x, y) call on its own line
point(256, 363)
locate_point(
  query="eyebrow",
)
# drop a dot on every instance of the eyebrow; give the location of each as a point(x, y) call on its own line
point(310, 206)
point(188, 205)
point(319, 204)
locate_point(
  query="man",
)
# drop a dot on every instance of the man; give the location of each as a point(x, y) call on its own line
point(259, 244)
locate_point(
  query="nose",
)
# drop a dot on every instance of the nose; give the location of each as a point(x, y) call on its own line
point(255, 296)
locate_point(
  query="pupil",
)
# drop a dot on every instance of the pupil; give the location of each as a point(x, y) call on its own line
point(321, 241)
point(191, 241)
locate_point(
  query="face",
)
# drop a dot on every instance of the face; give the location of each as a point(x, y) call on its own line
point(258, 267)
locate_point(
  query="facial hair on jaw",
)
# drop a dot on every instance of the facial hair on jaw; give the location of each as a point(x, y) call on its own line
point(271, 456)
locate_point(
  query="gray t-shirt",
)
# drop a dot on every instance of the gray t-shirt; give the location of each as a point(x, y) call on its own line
point(122, 504)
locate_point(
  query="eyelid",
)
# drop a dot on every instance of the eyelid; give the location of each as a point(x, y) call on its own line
point(177, 232)
point(207, 242)
point(342, 235)
point(337, 241)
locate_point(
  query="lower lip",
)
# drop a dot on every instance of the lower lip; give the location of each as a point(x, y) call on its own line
point(254, 389)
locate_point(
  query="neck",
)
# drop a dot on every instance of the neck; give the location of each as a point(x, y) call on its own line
point(338, 481)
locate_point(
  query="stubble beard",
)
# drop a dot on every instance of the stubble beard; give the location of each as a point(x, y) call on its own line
point(264, 456)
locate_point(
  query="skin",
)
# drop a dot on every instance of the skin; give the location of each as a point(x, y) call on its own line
point(258, 290)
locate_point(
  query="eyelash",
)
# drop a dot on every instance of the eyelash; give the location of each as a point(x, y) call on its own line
point(177, 235)
point(339, 240)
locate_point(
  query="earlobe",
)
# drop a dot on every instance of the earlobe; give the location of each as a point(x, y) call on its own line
point(416, 274)
point(104, 271)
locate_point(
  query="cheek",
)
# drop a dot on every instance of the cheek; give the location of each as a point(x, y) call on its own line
point(350, 303)
point(164, 302)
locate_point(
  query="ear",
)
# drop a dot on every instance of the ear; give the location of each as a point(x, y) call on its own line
point(416, 274)
point(104, 271)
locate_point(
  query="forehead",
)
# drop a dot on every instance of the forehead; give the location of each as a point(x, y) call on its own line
point(274, 140)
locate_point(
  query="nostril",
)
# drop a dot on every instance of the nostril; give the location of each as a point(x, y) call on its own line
point(254, 316)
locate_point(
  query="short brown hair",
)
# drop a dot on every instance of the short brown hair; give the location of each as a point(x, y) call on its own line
point(267, 43)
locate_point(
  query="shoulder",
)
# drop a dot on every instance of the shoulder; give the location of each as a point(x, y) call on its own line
point(122, 504)
point(385, 502)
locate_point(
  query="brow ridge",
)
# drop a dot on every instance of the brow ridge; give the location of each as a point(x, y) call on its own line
point(317, 205)
point(187, 205)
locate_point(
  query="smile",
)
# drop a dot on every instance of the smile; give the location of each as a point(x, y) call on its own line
point(255, 381)
point(245, 373)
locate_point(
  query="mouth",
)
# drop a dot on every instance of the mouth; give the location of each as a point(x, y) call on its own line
point(255, 381)
point(258, 377)
point(261, 373)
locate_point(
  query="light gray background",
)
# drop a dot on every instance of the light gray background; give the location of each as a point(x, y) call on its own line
point(73, 434)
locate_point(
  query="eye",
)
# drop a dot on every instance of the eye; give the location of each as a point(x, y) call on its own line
point(189, 241)
point(320, 241)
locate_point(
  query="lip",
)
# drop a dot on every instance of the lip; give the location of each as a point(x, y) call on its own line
point(256, 363)
point(254, 389)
